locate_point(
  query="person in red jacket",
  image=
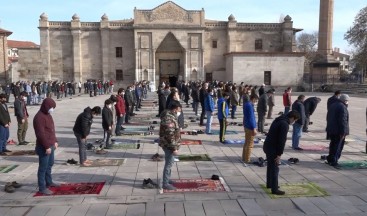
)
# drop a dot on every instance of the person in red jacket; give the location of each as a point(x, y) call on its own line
point(46, 143)
point(287, 101)
point(120, 110)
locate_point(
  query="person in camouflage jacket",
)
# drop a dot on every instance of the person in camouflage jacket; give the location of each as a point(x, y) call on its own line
point(169, 140)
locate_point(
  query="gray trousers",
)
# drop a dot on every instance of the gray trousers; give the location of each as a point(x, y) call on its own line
point(82, 148)
point(260, 122)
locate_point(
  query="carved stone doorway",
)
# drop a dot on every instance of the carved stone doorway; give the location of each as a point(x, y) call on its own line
point(169, 70)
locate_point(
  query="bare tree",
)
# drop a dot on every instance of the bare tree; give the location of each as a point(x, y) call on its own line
point(306, 42)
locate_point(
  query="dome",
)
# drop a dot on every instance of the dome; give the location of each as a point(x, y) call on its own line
point(44, 16)
point(104, 17)
point(287, 18)
point(231, 18)
point(75, 17)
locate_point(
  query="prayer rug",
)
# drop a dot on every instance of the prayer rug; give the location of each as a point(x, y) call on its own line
point(188, 133)
point(136, 129)
point(314, 148)
point(194, 157)
point(123, 145)
point(197, 185)
point(139, 123)
point(228, 132)
point(308, 189)
point(191, 142)
point(136, 133)
point(348, 165)
point(106, 162)
point(20, 153)
point(238, 141)
point(75, 189)
point(7, 168)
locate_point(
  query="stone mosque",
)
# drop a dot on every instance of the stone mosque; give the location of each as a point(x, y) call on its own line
point(166, 43)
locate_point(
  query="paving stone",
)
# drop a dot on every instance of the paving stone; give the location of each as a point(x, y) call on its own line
point(155, 208)
point(232, 208)
point(306, 206)
point(250, 207)
point(175, 208)
point(97, 210)
point(39, 211)
point(135, 210)
point(343, 204)
point(194, 208)
point(58, 210)
point(78, 210)
point(326, 206)
point(213, 208)
point(15, 211)
point(117, 210)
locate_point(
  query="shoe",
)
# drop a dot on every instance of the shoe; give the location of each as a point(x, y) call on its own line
point(157, 116)
point(3, 153)
point(306, 131)
point(26, 142)
point(147, 184)
point(278, 192)
point(6, 150)
point(72, 161)
point(22, 143)
point(323, 157)
point(298, 149)
point(269, 118)
point(16, 184)
point(209, 133)
point(46, 192)
point(176, 159)
point(171, 182)
point(122, 128)
point(169, 187)
point(9, 188)
point(53, 184)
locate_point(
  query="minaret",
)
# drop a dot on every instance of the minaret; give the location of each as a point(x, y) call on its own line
point(326, 68)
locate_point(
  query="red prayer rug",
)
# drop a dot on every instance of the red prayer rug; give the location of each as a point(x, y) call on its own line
point(197, 185)
point(75, 189)
point(191, 142)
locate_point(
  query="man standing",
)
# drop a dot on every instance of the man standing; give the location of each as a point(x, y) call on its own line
point(46, 144)
point(262, 108)
point(262, 90)
point(128, 104)
point(21, 112)
point(223, 112)
point(333, 99)
point(4, 124)
point(337, 127)
point(209, 109)
point(120, 110)
point(249, 123)
point(203, 93)
point(271, 104)
point(297, 127)
point(107, 122)
point(81, 130)
point(287, 100)
point(169, 140)
point(310, 106)
point(274, 147)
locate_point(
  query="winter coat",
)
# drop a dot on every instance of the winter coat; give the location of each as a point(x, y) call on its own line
point(249, 120)
point(300, 108)
point(337, 119)
point(223, 110)
point(209, 103)
point(332, 100)
point(107, 118)
point(83, 123)
point(4, 114)
point(169, 131)
point(20, 109)
point(195, 94)
point(310, 105)
point(44, 126)
point(271, 101)
point(120, 106)
point(234, 98)
point(262, 105)
point(202, 95)
point(277, 136)
point(287, 100)
point(261, 91)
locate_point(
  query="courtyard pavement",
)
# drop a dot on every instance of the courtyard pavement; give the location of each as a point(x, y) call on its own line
point(123, 193)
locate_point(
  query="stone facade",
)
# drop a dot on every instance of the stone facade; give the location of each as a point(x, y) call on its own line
point(4, 55)
point(167, 41)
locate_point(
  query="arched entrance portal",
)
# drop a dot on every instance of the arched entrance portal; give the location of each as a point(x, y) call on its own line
point(170, 59)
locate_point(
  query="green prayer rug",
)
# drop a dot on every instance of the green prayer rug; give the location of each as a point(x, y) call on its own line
point(123, 145)
point(308, 189)
point(194, 157)
point(7, 168)
point(106, 162)
point(228, 132)
point(353, 164)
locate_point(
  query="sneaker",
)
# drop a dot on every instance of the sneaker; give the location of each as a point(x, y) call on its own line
point(169, 187)
point(53, 184)
point(298, 149)
point(6, 150)
point(46, 192)
point(171, 182)
point(176, 159)
point(16, 184)
point(278, 192)
point(22, 143)
point(147, 184)
point(26, 142)
point(9, 188)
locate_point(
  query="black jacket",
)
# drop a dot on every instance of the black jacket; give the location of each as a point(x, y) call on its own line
point(310, 105)
point(331, 100)
point(18, 109)
point(299, 107)
point(195, 94)
point(162, 102)
point(83, 123)
point(337, 119)
point(262, 105)
point(4, 115)
point(107, 118)
point(277, 136)
point(202, 95)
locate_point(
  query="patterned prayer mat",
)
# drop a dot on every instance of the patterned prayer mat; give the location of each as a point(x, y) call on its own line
point(7, 168)
point(197, 185)
point(348, 165)
point(190, 142)
point(106, 162)
point(21, 152)
point(216, 132)
point(124, 145)
point(136, 129)
point(308, 189)
point(194, 157)
point(314, 148)
point(140, 123)
point(75, 189)
point(238, 141)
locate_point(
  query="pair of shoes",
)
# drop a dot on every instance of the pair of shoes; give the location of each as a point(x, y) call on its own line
point(11, 142)
point(157, 157)
point(169, 187)
point(298, 149)
point(200, 132)
point(22, 143)
point(11, 186)
point(323, 157)
point(222, 141)
point(293, 160)
point(72, 161)
point(149, 183)
point(278, 192)
point(101, 151)
point(6, 150)
point(157, 115)
point(46, 192)
point(90, 146)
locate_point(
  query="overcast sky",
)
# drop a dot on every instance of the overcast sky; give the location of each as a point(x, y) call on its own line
point(21, 16)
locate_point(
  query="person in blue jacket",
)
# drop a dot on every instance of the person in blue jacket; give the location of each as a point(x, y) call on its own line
point(209, 110)
point(223, 112)
point(249, 123)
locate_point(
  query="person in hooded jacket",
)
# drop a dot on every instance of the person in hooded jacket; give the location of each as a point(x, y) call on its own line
point(46, 144)
point(310, 107)
point(120, 110)
point(274, 147)
point(107, 122)
point(81, 130)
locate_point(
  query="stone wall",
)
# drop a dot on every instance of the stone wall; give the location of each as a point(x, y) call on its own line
point(3, 58)
point(61, 55)
point(30, 65)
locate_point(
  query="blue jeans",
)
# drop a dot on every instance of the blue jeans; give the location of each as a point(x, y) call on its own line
point(44, 168)
point(209, 120)
point(297, 133)
point(286, 110)
point(233, 111)
point(169, 160)
point(4, 136)
point(82, 148)
point(120, 121)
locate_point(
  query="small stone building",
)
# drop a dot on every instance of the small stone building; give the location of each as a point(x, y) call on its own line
point(167, 43)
